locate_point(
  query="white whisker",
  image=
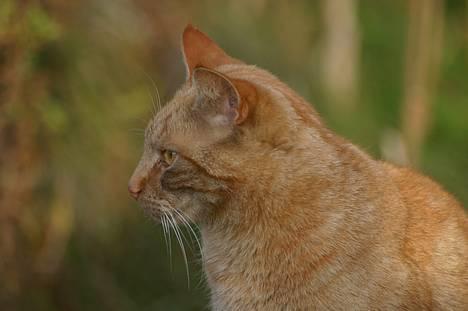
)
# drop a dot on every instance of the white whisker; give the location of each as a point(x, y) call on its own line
point(181, 244)
point(152, 101)
point(168, 226)
point(157, 91)
point(180, 217)
point(169, 219)
point(186, 222)
point(157, 94)
point(164, 226)
point(137, 131)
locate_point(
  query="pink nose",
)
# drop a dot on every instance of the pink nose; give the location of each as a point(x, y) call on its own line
point(135, 187)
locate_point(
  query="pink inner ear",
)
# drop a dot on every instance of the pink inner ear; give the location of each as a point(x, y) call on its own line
point(200, 50)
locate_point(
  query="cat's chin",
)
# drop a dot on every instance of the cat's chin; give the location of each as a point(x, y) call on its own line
point(157, 210)
point(153, 213)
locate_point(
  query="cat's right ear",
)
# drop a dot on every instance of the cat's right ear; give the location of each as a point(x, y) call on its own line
point(200, 51)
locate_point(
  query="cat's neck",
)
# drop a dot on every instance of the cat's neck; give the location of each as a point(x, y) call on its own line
point(296, 225)
point(294, 206)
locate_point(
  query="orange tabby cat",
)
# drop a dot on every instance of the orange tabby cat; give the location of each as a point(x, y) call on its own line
point(292, 216)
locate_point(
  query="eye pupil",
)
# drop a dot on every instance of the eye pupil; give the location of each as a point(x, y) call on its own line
point(169, 156)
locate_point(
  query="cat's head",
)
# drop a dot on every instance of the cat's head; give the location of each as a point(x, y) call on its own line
point(215, 136)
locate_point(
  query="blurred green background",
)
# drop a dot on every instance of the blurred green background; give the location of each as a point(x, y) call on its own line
point(75, 94)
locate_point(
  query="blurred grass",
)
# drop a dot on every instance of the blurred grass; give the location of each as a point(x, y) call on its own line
point(74, 94)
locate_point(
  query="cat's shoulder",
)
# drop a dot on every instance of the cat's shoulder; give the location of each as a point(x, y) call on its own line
point(421, 193)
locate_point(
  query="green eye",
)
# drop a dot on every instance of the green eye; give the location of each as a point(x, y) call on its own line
point(168, 156)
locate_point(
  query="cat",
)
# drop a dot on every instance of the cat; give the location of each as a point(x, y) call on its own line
point(292, 216)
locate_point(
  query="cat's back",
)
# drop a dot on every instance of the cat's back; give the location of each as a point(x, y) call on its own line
point(436, 237)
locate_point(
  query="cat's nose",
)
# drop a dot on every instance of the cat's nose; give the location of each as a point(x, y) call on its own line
point(135, 186)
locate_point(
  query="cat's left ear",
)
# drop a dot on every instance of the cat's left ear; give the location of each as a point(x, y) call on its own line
point(200, 51)
point(224, 101)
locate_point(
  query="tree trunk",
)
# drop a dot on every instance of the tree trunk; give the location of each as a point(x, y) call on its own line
point(423, 55)
point(341, 52)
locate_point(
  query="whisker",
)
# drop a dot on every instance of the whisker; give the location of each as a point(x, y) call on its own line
point(186, 223)
point(156, 89)
point(137, 131)
point(157, 94)
point(181, 244)
point(191, 230)
point(183, 217)
point(164, 226)
point(168, 221)
point(168, 228)
point(152, 101)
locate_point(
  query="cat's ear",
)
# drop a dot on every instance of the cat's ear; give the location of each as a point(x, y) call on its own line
point(225, 101)
point(200, 51)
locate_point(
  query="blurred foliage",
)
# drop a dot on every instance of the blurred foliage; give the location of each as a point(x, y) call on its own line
point(76, 92)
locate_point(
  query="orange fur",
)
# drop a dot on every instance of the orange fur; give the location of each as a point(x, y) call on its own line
point(292, 216)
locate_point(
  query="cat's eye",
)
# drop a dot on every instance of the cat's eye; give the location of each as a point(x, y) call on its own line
point(168, 156)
